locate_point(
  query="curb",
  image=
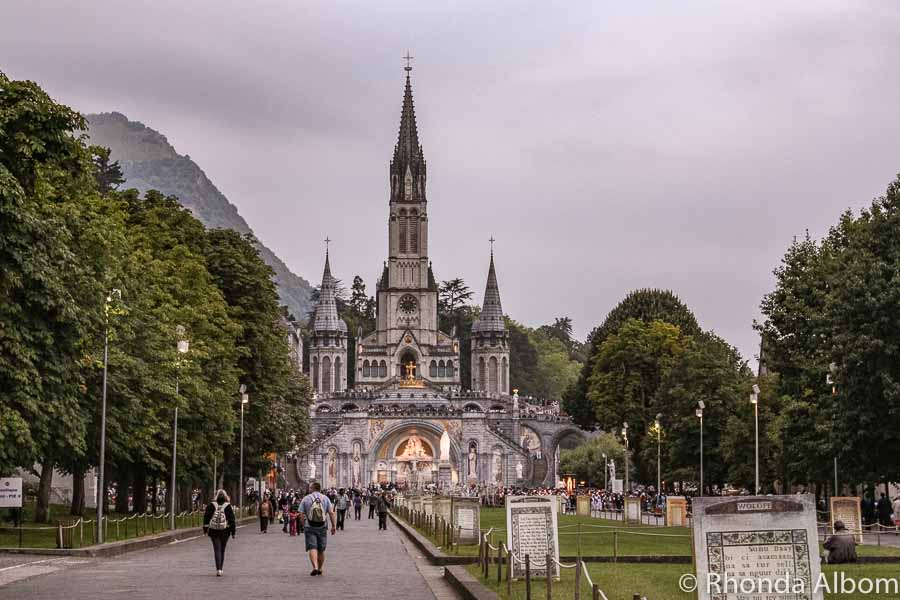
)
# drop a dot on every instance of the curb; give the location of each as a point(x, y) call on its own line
point(464, 584)
point(122, 547)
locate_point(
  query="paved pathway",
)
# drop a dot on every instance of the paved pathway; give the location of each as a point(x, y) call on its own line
point(361, 560)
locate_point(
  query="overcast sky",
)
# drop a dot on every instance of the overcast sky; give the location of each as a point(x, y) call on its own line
point(606, 145)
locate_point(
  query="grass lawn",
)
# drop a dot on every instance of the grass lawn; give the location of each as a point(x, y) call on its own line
point(602, 537)
point(620, 581)
point(43, 535)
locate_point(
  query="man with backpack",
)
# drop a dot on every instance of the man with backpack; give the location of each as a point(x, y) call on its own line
point(315, 510)
point(219, 525)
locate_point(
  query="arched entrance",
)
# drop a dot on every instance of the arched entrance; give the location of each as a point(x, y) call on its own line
point(408, 367)
point(408, 453)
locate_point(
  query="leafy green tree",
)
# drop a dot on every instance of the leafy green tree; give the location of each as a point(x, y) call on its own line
point(586, 461)
point(279, 399)
point(107, 175)
point(453, 296)
point(57, 240)
point(646, 305)
point(835, 303)
point(629, 369)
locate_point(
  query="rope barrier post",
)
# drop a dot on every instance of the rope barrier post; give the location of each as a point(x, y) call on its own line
point(81, 532)
point(527, 577)
point(595, 592)
point(59, 540)
point(117, 530)
point(578, 578)
point(615, 546)
point(509, 570)
point(499, 564)
point(549, 578)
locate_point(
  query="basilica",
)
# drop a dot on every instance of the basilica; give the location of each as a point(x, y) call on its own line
point(409, 419)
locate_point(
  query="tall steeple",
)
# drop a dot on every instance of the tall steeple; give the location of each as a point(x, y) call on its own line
point(490, 340)
point(328, 342)
point(327, 318)
point(491, 310)
point(408, 163)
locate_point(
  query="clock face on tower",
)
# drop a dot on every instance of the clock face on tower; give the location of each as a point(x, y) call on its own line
point(408, 304)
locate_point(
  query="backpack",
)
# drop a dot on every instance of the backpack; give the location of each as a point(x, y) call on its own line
point(317, 512)
point(219, 520)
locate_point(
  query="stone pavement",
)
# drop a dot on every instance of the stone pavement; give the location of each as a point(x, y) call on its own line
point(361, 560)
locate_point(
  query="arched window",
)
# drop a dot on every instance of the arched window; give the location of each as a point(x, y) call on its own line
point(314, 367)
point(337, 375)
point(492, 375)
point(367, 371)
point(482, 375)
point(383, 369)
point(442, 369)
point(432, 369)
point(449, 368)
point(326, 374)
point(504, 385)
point(404, 224)
point(413, 230)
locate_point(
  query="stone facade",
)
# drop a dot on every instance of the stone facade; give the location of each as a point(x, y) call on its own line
point(408, 390)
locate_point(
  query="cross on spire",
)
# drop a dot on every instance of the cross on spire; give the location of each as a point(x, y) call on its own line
point(407, 58)
point(492, 240)
point(327, 241)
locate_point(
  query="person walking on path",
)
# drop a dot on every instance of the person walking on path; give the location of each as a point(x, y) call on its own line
point(373, 502)
point(219, 524)
point(265, 514)
point(383, 506)
point(897, 510)
point(357, 506)
point(315, 510)
point(342, 504)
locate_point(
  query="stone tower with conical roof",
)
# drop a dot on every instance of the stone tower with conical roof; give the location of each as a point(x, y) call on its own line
point(328, 341)
point(490, 341)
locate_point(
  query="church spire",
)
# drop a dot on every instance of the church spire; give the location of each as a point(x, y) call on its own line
point(326, 318)
point(491, 319)
point(408, 164)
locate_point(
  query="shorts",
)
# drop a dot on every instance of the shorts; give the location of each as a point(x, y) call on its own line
point(316, 538)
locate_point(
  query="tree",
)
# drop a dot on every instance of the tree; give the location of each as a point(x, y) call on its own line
point(453, 296)
point(57, 240)
point(833, 312)
point(629, 369)
point(646, 305)
point(107, 175)
point(586, 461)
point(277, 414)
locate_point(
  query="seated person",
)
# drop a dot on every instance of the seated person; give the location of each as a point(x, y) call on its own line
point(840, 547)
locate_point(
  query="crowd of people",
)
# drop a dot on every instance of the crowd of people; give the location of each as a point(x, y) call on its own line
point(308, 515)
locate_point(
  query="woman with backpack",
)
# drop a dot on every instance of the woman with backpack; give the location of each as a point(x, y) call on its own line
point(219, 524)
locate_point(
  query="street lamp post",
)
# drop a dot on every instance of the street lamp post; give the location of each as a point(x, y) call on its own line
point(625, 437)
point(101, 485)
point(182, 349)
point(754, 400)
point(699, 412)
point(245, 399)
point(658, 428)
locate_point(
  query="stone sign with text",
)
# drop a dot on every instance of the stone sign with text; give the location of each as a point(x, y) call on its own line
point(633, 510)
point(676, 511)
point(583, 506)
point(466, 519)
point(762, 547)
point(532, 530)
point(847, 509)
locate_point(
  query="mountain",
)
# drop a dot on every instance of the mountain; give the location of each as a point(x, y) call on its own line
point(148, 161)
